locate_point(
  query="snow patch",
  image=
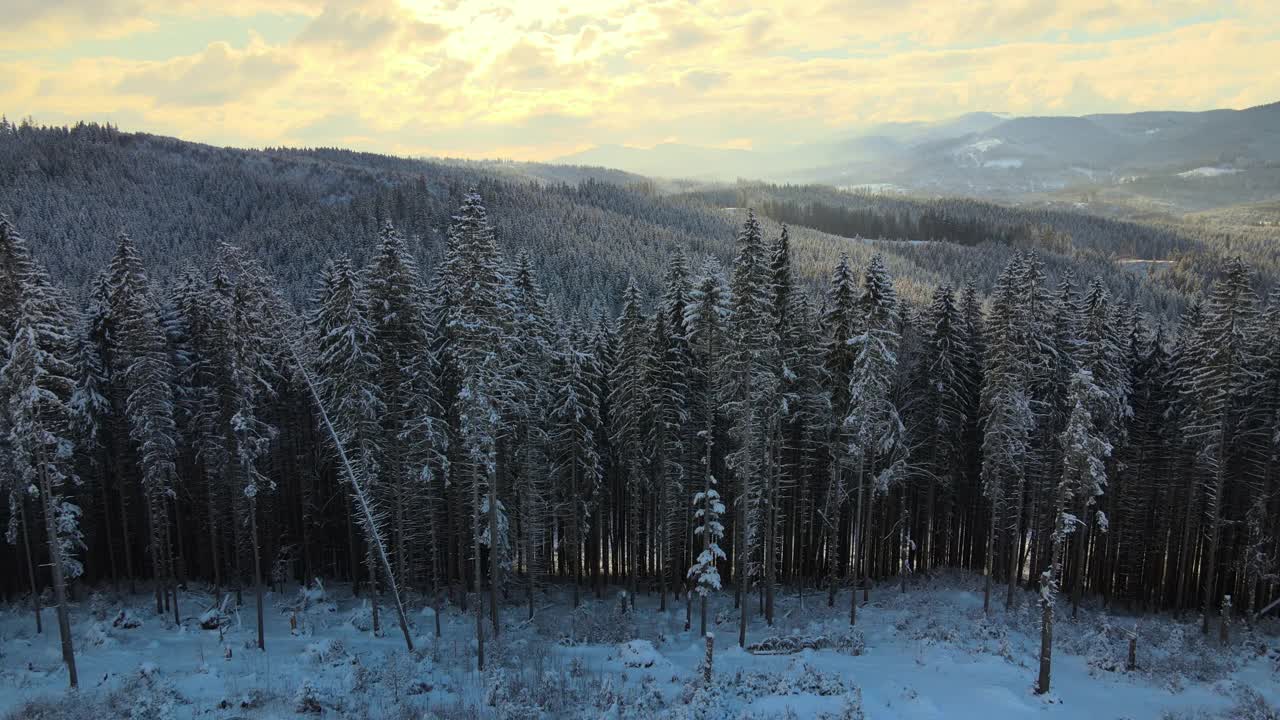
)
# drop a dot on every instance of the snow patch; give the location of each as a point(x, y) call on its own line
point(639, 653)
point(1208, 172)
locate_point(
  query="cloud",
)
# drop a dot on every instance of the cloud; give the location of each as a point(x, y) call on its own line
point(218, 75)
point(40, 25)
point(703, 80)
point(529, 80)
point(349, 28)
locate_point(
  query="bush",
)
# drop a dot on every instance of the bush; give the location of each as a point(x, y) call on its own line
point(593, 624)
point(324, 651)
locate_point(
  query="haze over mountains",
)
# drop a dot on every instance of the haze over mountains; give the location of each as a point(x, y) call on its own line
point(1192, 160)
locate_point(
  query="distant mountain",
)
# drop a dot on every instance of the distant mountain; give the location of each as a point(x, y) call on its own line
point(1237, 150)
point(995, 155)
point(672, 160)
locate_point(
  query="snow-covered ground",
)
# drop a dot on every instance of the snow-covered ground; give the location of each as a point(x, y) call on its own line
point(927, 654)
point(1208, 172)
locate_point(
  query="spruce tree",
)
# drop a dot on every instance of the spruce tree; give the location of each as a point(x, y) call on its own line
point(840, 323)
point(1225, 372)
point(874, 426)
point(348, 371)
point(706, 319)
point(37, 384)
point(751, 393)
point(631, 412)
point(1084, 474)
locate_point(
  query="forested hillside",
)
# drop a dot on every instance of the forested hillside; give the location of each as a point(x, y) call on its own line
point(586, 229)
point(456, 429)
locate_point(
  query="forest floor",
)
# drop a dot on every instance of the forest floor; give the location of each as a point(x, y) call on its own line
point(928, 653)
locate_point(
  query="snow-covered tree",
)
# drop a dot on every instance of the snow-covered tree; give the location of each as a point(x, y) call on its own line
point(706, 319)
point(37, 384)
point(347, 368)
point(573, 441)
point(1084, 475)
point(631, 412)
point(479, 319)
point(1225, 372)
point(874, 426)
point(143, 374)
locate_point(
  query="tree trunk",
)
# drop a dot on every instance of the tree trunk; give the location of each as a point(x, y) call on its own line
point(104, 461)
point(741, 579)
point(1215, 533)
point(372, 569)
point(495, 544)
point(987, 562)
point(124, 530)
point(1046, 645)
point(59, 581)
point(257, 569)
point(573, 518)
point(476, 568)
point(31, 567)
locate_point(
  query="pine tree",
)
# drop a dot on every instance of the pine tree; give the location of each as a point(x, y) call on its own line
point(706, 318)
point(143, 374)
point(15, 267)
point(1225, 372)
point(37, 383)
point(840, 323)
point(479, 318)
point(669, 383)
point(1084, 474)
point(632, 406)
point(874, 425)
point(1008, 418)
point(751, 393)
point(573, 441)
point(397, 327)
point(943, 403)
point(530, 417)
point(246, 361)
point(348, 369)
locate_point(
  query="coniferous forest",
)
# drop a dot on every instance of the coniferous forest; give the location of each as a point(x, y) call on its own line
point(456, 434)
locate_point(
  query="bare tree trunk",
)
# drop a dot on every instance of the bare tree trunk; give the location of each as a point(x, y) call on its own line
point(1046, 646)
point(707, 660)
point(987, 561)
point(857, 548)
point(1082, 546)
point(1215, 533)
point(740, 554)
point(59, 581)
point(1015, 540)
point(573, 518)
point(904, 538)
point(832, 525)
point(257, 569)
point(372, 569)
point(106, 519)
point(124, 527)
point(476, 569)
point(31, 567)
point(495, 543)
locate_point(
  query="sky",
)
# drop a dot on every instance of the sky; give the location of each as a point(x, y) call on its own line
point(539, 79)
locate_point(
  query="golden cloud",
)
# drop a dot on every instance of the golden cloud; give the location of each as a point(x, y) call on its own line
point(482, 77)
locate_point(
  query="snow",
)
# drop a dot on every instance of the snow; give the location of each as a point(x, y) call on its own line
point(928, 653)
point(982, 145)
point(874, 188)
point(639, 654)
point(1003, 163)
point(1208, 172)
